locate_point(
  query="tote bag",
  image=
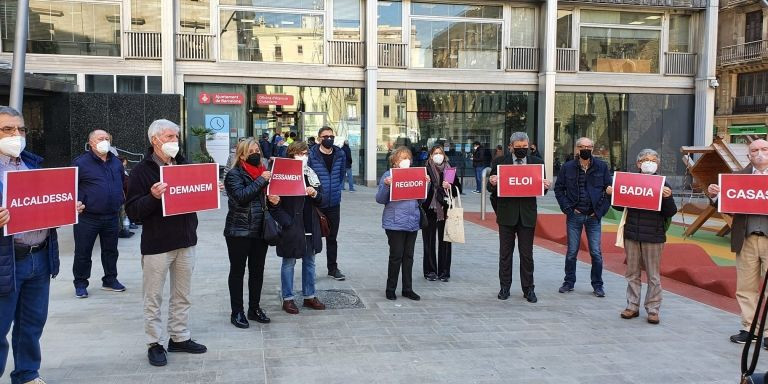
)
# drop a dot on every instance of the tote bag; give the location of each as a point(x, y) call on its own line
point(454, 220)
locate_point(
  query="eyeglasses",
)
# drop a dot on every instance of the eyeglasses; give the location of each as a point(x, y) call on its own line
point(328, 137)
point(10, 130)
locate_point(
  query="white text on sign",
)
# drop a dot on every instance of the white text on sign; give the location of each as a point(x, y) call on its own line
point(191, 189)
point(521, 181)
point(280, 176)
point(44, 199)
point(635, 191)
point(409, 184)
point(751, 194)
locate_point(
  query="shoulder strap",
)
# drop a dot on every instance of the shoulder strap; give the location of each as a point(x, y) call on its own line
point(761, 313)
point(458, 196)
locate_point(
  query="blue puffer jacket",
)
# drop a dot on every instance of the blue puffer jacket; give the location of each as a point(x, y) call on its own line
point(398, 215)
point(7, 259)
point(333, 181)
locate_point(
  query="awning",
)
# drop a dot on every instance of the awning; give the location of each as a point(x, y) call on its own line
point(748, 129)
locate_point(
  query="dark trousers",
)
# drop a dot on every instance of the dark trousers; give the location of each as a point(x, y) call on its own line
point(27, 308)
point(401, 245)
point(524, 236)
point(331, 246)
point(437, 253)
point(254, 252)
point(106, 227)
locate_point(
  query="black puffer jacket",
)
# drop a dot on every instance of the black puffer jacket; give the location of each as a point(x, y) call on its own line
point(246, 198)
point(648, 226)
point(291, 213)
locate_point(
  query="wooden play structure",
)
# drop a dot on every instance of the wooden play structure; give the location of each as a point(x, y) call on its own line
point(716, 158)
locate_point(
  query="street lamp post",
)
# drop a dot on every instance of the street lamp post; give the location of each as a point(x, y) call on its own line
point(19, 55)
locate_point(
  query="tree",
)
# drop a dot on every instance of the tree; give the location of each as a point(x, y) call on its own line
point(202, 134)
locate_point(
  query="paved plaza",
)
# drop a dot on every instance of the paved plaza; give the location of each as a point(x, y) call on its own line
point(458, 333)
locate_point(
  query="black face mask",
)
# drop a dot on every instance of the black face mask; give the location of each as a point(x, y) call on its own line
point(585, 154)
point(327, 143)
point(254, 159)
point(521, 153)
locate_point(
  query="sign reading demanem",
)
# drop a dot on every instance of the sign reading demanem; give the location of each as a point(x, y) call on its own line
point(191, 188)
point(40, 199)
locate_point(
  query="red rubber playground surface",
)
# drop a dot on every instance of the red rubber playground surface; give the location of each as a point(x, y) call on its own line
point(687, 268)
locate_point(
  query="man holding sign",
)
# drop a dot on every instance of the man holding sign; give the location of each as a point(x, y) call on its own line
point(516, 216)
point(749, 241)
point(28, 261)
point(167, 245)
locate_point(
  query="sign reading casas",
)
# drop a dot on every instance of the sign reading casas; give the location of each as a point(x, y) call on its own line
point(408, 184)
point(637, 190)
point(191, 188)
point(520, 180)
point(40, 199)
point(287, 178)
point(740, 193)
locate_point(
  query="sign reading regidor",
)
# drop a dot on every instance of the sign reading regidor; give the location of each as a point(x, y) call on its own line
point(408, 184)
point(191, 188)
point(742, 193)
point(40, 198)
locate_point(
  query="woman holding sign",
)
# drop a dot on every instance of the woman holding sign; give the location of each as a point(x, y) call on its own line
point(644, 234)
point(437, 253)
point(246, 183)
point(401, 221)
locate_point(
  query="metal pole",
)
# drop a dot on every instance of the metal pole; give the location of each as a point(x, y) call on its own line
point(19, 55)
point(484, 192)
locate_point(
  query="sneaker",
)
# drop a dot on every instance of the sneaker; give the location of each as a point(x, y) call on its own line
point(115, 286)
point(765, 343)
point(157, 355)
point(741, 337)
point(37, 380)
point(81, 292)
point(188, 346)
point(337, 275)
point(566, 287)
point(431, 276)
point(599, 292)
point(125, 234)
point(133, 226)
point(476, 192)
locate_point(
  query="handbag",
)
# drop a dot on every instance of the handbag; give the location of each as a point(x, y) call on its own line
point(620, 230)
point(325, 225)
point(271, 230)
point(454, 220)
point(423, 221)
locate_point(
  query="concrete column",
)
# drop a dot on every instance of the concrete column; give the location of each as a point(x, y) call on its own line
point(168, 37)
point(371, 88)
point(704, 111)
point(546, 122)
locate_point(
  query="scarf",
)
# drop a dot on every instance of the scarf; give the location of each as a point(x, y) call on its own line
point(312, 178)
point(438, 193)
point(253, 171)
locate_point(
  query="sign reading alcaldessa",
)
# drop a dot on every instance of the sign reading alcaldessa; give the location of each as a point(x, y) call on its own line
point(40, 199)
point(408, 184)
point(637, 190)
point(741, 193)
point(191, 188)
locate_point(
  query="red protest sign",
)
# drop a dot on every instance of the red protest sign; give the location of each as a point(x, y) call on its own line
point(741, 193)
point(191, 188)
point(40, 199)
point(287, 178)
point(520, 180)
point(408, 184)
point(637, 190)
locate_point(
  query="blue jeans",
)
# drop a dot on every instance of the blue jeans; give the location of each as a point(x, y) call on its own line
point(307, 274)
point(350, 180)
point(106, 227)
point(27, 309)
point(591, 224)
point(479, 178)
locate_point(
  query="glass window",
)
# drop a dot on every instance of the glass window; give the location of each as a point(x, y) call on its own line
point(456, 10)
point(268, 36)
point(621, 18)
point(292, 4)
point(130, 84)
point(751, 93)
point(194, 16)
point(523, 27)
point(100, 83)
point(564, 29)
point(346, 19)
point(680, 33)
point(753, 26)
point(145, 15)
point(154, 84)
point(59, 77)
point(390, 22)
point(619, 50)
point(446, 44)
point(66, 28)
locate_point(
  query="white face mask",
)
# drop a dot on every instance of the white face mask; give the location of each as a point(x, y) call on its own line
point(12, 145)
point(648, 167)
point(303, 158)
point(438, 158)
point(102, 147)
point(171, 148)
point(405, 163)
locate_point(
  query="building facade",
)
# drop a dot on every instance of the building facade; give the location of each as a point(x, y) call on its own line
point(630, 73)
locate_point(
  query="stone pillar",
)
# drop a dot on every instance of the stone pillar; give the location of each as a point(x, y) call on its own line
point(371, 88)
point(704, 110)
point(168, 38)
point(546, 122)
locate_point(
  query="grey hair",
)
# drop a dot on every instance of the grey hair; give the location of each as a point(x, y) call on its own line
point(584, 138)
point(159, 126)
point(9, 111)
point(518, 136)
point(93, 133)
point(645, 152)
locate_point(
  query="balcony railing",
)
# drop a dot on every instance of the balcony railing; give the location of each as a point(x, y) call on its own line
point(567, 60)
point(522, 59)
point(680, 64)
point(346, 53)
point(750, 104)
point(194, 46)
point(392, 55)
point(143, 45)
point(741, 53)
